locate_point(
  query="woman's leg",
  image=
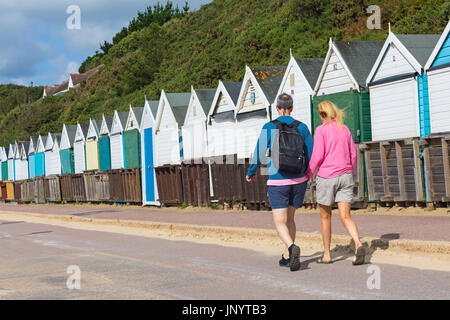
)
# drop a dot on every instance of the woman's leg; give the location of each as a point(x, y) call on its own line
point(325, 228)
point(280, 218)
point(349, 224)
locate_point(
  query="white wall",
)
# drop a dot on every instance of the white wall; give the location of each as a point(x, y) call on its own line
point(335, 79)
point(116, 144)
point(439, 94)
point(247, 133)
point(391, 66)
point(79, 156)
point(222, 137)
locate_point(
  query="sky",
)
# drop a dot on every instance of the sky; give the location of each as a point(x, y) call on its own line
point(44, 40)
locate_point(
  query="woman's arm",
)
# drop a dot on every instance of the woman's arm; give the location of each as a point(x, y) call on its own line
point(317, 153)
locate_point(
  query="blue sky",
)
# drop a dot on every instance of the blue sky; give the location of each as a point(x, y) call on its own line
point(37, 46)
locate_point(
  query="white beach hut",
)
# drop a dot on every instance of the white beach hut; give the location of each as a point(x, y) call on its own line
point(170, 118)
point(116, 139)
point(52, 156)
point(22, 160)
point(11, 167)
point(253, 109)
point(79, 151)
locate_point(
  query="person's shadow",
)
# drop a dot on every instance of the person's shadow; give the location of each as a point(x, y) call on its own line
point(343, 252)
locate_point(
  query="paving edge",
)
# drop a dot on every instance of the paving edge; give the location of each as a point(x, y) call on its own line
point(201, 231)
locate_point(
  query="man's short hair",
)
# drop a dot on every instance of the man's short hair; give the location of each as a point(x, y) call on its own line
point(284, 101)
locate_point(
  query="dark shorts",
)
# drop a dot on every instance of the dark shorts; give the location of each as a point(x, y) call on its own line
point(284, 196)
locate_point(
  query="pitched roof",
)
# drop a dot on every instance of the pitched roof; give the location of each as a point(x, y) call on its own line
point(44, 140)
point(154, 104)
point(51, 90)
point(84, 128)
point(108, 122)
point(79, 77)
point(179, 103)
point(233, 89)
point(123, 117)
point(206, 98)
point(269, 79)
point(420, 45)
point(138, 111)
point(57, 138)
point(311, 68)
point(360, 56)
point(26, 146)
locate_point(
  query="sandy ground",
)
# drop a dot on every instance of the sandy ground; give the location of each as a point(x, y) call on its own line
point(425, 255)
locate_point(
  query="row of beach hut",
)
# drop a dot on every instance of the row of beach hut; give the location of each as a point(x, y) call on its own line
point(395, 90)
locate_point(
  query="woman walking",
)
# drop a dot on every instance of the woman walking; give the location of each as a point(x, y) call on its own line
point(334, 154)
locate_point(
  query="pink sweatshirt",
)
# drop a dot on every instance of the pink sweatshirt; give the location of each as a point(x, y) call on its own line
point(334, 151)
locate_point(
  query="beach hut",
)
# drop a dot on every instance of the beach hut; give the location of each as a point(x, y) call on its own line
point(193, 131)
point(104, 149)
point(52, 155)
point(116, 139)
point(31, 152)
point(79, 151)
point(221, 125)
point(17, 162)
point(438, 72)
point(171, 114)
point(342, 80)
point(39, 158)
point(132, 138)
point(92, 159)
point(253, 109)
point(299, 81)
point(1, 161)
point(4, 158)
point(11, 166)
point(66, 149)
point(149, 185)
point(399, 87)
point(22, 160)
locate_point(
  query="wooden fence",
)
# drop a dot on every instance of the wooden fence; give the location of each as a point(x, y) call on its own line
point(168, 179)
point(195, 183)
point(52, 189)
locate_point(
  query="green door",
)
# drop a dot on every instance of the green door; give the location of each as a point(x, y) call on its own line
point(5, 171)
point(67, 161)
point(356, 106)
point(104, 153)
point(132, 146)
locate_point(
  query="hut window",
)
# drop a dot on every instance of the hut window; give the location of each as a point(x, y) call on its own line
point(195, 111)
point(335, 66)
point(393, 58)
point(292, 80)
point(132, 123)
point(292, 92)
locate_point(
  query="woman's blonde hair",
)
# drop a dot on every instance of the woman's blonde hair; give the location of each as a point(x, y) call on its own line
point(328, 111)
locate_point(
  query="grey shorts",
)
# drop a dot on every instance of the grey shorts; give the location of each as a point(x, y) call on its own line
point(337, 189)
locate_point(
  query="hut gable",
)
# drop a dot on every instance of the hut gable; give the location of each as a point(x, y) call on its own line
point(172, 109)
point(346, 66)
point(11, 151)
point(134, 118)
point(68, 136)
point(149, 114)
point(5, 152)
point(259, 88)
point(49, 142)
point(31, 146)
point(402, 56)
point(199, 104)
point(17, 150)
point(24, 146)
point(105, 128)
point(94, 129)
point(81, 132)
point(42, 140)
point(225, 99)
point(119, 121)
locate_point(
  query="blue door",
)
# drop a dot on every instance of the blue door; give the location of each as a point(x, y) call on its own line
point(149, 168)
point(31, 166)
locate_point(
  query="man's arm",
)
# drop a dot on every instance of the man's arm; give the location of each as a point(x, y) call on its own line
point(260, 152)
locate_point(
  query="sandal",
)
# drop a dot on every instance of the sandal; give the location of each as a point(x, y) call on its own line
point(321, 261)
point(360, 256)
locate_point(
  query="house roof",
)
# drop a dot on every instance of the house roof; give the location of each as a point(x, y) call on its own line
point(138, 111)
point(179, 103)
point(311, 68)
point(360, 57)
point(233, 89)
point(419, 45)
point(154, 104)
point(123, 117)
point(269, 79)
point(77, 78)
point(206, 98)
point(51, 90)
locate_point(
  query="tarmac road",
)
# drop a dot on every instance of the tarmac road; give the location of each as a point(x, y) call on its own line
point(34, 259)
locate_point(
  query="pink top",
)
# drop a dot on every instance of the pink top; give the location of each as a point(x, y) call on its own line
point(334, 151)
point(286, 182)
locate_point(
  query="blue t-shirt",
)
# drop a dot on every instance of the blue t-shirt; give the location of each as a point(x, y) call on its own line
point(265, 142)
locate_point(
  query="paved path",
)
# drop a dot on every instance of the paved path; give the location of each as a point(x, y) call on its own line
point(434, 228)
point(34, 259)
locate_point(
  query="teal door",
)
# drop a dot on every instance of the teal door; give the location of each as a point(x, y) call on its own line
point(150, 192)
point(40, 164)
point(104, 153)
point(67, 161)
point(132, 148)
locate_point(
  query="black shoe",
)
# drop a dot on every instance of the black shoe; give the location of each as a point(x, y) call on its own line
point(284, 262)
point(294, 257)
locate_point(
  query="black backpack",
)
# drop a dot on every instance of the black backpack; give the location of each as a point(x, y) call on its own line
point(288, 154)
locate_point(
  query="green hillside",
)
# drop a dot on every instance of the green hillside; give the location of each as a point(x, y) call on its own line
point(215, 42)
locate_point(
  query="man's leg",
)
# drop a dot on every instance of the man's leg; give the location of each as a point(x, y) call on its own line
point(292, 227)
point(325, 228)
point(280, 218)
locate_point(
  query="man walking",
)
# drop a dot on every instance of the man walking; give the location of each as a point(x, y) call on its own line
point(290, 145)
